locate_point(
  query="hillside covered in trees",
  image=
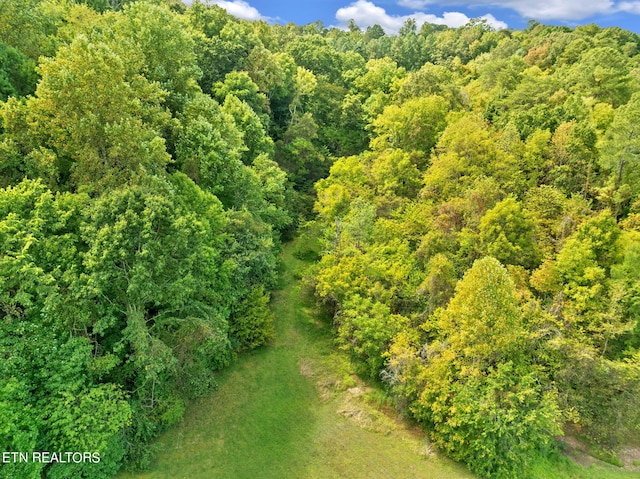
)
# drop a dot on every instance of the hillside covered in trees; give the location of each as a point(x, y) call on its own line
point(477, 193)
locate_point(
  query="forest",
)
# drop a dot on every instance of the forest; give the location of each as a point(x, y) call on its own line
point(477, 194)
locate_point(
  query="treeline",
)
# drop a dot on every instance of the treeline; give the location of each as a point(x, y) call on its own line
point(480, 213)
point(482, 255)
point(140, 218)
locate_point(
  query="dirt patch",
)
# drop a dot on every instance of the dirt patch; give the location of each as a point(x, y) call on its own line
point(630, 457)
point(359, 391)
point(578, 451)
point(327, 385)
point(366, 416)
point(425, 449)
point(305, 368)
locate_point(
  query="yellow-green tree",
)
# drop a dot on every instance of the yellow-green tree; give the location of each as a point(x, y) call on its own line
point(479, 391)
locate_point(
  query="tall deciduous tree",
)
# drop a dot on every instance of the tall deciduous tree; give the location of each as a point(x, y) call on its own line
point(52, 397)
point(479, 389)
point(96, 116)
point(414, 125)
point(621, 154)
point(165, 42)
point(507, 234)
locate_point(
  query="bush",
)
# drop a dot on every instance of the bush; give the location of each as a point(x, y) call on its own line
point(252, 325)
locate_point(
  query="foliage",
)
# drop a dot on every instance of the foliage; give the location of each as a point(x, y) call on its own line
point(366, 328)
point(514, 145)
point(17, 75)
point(477, 387)
point(252, 324)
point(413, 126)
point(507, 234)
point(152, 155)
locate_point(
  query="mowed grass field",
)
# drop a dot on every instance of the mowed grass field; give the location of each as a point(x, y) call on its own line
point(295, 409)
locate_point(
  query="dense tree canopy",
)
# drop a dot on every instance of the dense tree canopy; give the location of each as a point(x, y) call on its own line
point(499, 193)
point(477, 193)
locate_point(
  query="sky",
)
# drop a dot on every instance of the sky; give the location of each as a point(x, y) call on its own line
point(391, 14)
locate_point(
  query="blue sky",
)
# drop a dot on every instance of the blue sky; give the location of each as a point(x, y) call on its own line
point(391, 14)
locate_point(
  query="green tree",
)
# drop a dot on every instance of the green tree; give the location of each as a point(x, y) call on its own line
point(59, 402)
point(580, 272)
point(20, 427)
point(304, 86)
point(247, 121)
point(576, 158)
point(406, 49)
point(479, 391)
point(365, 328)
point(466, 151)
point(507, 234)
point(95, 116)
point(29, 26)
point(209, 150)
point(164, 40)
point(439, 283)
point(603, 73)
point(274, 190)
point(313, 53)
point(376, 85)
point(153, 268)
point(620, 155)
point(242, 87)
point(298, 154)
point(393, 172)
point(431, 79)
point(272, 72)
point(252, 323)
point(17, 73)
point(225, 45)
point(548, 208)
point(414, 125)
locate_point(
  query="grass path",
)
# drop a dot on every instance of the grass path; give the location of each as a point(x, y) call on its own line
point(294, 410)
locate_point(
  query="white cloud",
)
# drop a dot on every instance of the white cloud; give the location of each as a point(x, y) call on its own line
point(240, 9)
point(560, 9)
point(494, 22)
point(540, 9)
point(630, 7)
point(365, 14)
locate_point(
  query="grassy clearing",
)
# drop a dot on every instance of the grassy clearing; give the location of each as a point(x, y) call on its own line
point(296, 409)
